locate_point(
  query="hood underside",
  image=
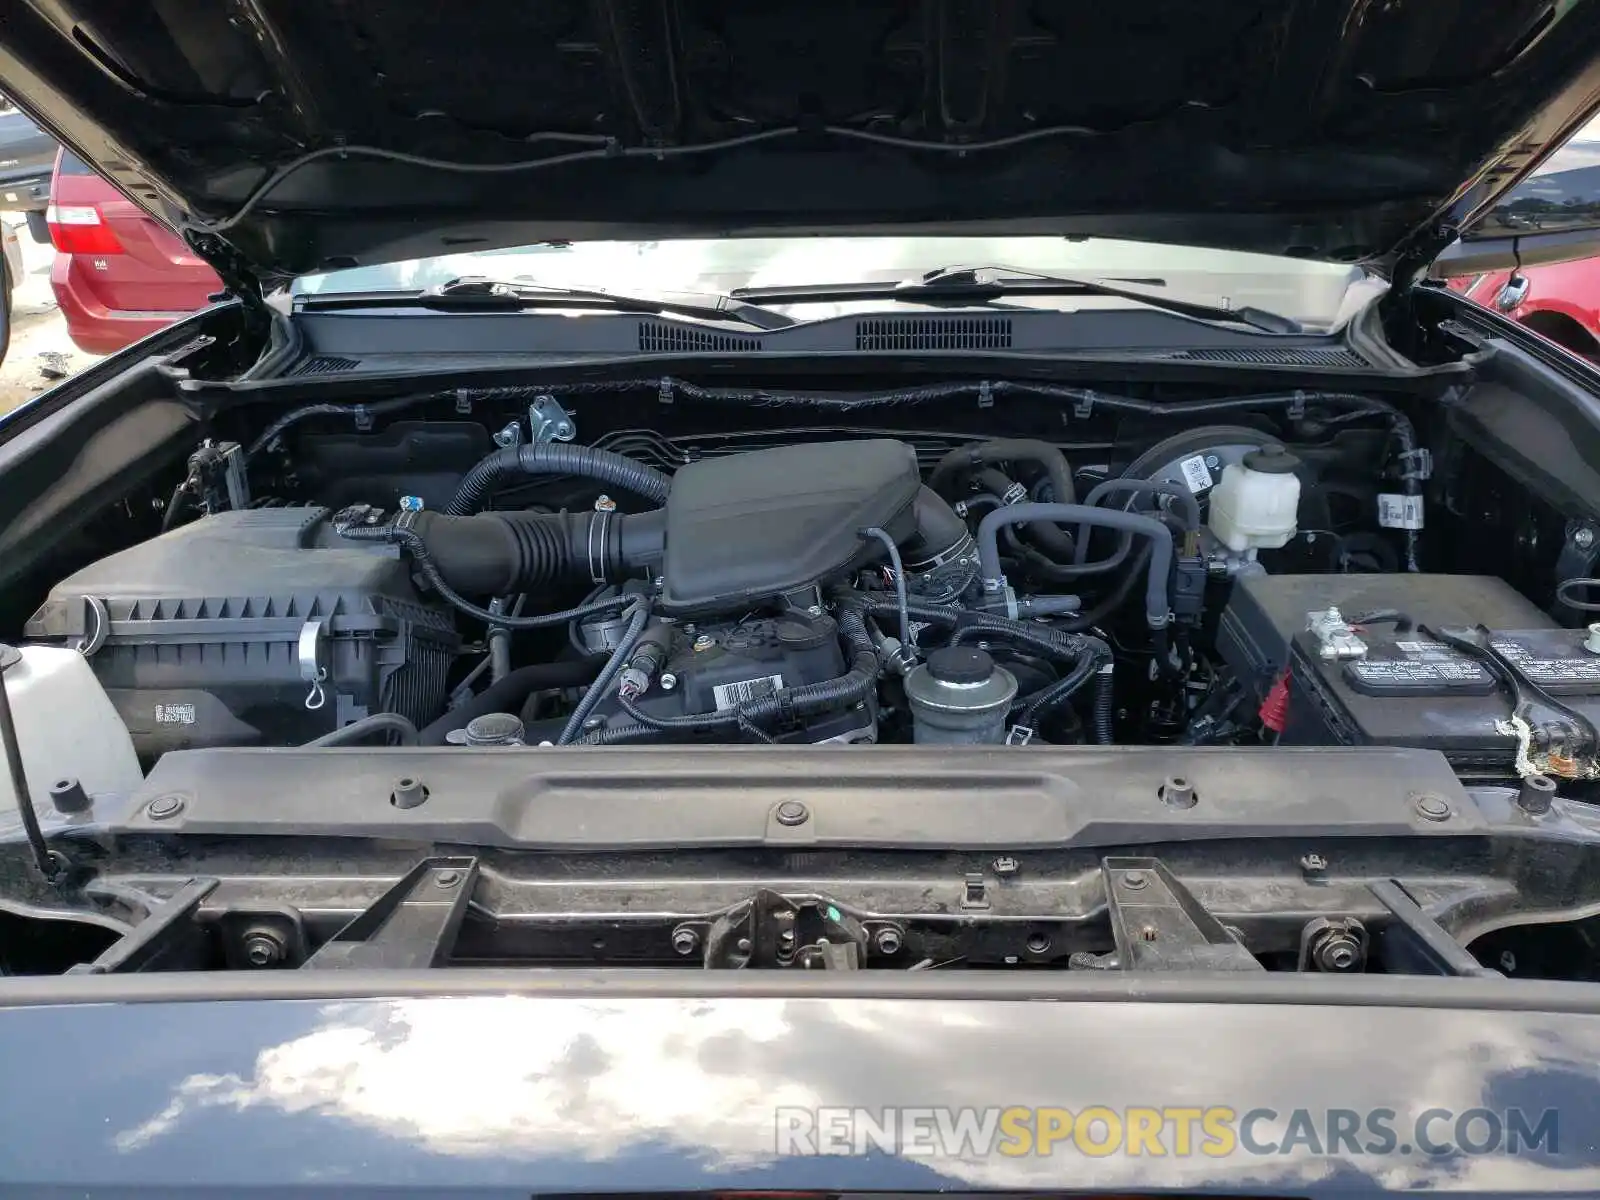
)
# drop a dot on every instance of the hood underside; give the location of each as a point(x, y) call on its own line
point(1336, 129)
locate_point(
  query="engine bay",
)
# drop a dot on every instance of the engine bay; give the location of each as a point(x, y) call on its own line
point(824, 584)
point(582, 647)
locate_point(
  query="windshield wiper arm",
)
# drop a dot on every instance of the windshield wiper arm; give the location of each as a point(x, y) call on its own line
point(476, 293)
point(967, 284)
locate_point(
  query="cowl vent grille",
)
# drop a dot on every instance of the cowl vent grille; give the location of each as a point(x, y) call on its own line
point(933, 333)
point(658, 337)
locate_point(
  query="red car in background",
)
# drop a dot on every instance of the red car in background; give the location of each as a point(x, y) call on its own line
point(118, 274)
point(1561, 301)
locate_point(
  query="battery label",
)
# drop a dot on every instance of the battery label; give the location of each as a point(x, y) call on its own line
point(1414, 666)
point(1554, 659)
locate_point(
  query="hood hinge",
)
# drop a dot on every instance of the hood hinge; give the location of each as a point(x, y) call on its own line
point(238, 279)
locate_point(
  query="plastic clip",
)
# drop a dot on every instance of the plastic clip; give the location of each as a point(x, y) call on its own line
point(1297, 406)
point(363, 416)
point(463, 402)
point(664, 392)
point(985, 394)
point(1083, 406)
point(1422, 457)
point(1020, 735)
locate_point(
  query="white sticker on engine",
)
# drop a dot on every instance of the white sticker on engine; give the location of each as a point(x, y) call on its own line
point(1195, 473)
point(729, 694)
point(1399, 512)
point(174, 714)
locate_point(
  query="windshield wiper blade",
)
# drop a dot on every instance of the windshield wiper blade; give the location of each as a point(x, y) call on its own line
point(967, 284)
point(476, 293)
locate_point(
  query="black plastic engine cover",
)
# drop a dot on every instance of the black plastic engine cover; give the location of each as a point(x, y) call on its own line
point(752, 526)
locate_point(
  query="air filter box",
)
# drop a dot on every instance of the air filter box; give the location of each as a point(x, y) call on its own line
point(259, 627)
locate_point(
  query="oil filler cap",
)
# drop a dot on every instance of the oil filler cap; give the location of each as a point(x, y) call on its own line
point(960, 664)
point(1271, 459)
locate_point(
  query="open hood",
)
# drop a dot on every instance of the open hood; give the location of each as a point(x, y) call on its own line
point(1336, 129)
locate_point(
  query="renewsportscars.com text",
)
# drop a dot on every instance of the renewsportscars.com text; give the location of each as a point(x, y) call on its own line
point(1217, 1131)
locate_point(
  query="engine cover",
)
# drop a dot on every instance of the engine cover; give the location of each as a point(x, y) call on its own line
point(753, 526)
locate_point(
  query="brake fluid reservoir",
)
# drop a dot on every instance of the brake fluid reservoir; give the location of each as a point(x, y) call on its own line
point(66, 726)
point(1255, 505)
point(959, 697)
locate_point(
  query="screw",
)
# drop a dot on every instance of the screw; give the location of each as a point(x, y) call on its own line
point(1134, 880)
point(1037, 943)
point(605, 504)
point(704, 642)
point(814, 610)
point(668, 681)
point(263, 948)
point(1213, 461)
point(792, 812)
point(1583, 538)
point(447, 879)
point(685, 941)
point(888, 940)
point(1432, 808)
point(163, 807)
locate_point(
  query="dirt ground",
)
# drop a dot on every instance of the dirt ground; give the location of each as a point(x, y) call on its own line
point(41, 354)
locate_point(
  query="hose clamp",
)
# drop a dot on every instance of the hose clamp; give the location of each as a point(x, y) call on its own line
point(599, 524)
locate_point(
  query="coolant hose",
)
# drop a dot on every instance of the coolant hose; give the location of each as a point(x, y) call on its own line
point(556, 458)
point(1156, 602)
point(510, 693)
point(1182, 497)
point(1009, 450)
point(356, 731)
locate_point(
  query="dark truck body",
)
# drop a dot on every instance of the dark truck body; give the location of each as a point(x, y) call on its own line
point(27, 156)
point(624, 1083)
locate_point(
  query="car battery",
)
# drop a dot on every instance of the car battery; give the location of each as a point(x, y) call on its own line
point(1396, 681)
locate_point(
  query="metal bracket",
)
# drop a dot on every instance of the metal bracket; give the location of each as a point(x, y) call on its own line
point(1336, 640)
point(312, 669)
point(412, 925)
point(549, 422)
point(1158, 925)
point(773, 930)
point(1414, 943)
point(167, 929)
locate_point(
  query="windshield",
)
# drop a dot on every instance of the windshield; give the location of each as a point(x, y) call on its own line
point(1311, 292)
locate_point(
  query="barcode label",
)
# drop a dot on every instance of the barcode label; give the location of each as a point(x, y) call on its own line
point(1399, 512)
point(175, 714)
point(1195, 473)
point(729, 694)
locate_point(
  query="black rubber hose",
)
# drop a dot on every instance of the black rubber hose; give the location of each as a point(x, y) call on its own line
point(556, 458)
point(510, 694)
point(638, 617)
point(418, 550)
point(902, 603)
point(1053, 542)
point(500, 554)
point(1183, 498)
point(357, 731)
point(1156, 600)
point(1009, 450)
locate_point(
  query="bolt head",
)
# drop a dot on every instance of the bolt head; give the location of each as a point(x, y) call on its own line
point(792, 812)
point(1134, 880)
point(814, 610)
point(447, 879)
point(704, 642)
point(164, 807)
point(1583, 539)
point(1006, 865)
point(263, 949)
point(1313, 862)
point(685, 941)
point(888, 941)
point(668, 681)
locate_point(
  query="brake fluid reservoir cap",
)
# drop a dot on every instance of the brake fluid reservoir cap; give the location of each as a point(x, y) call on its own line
point(960, 664)
point(1271, 459)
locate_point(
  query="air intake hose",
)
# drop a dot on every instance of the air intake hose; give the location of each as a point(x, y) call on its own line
point(501, 553)
point(556, 458)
